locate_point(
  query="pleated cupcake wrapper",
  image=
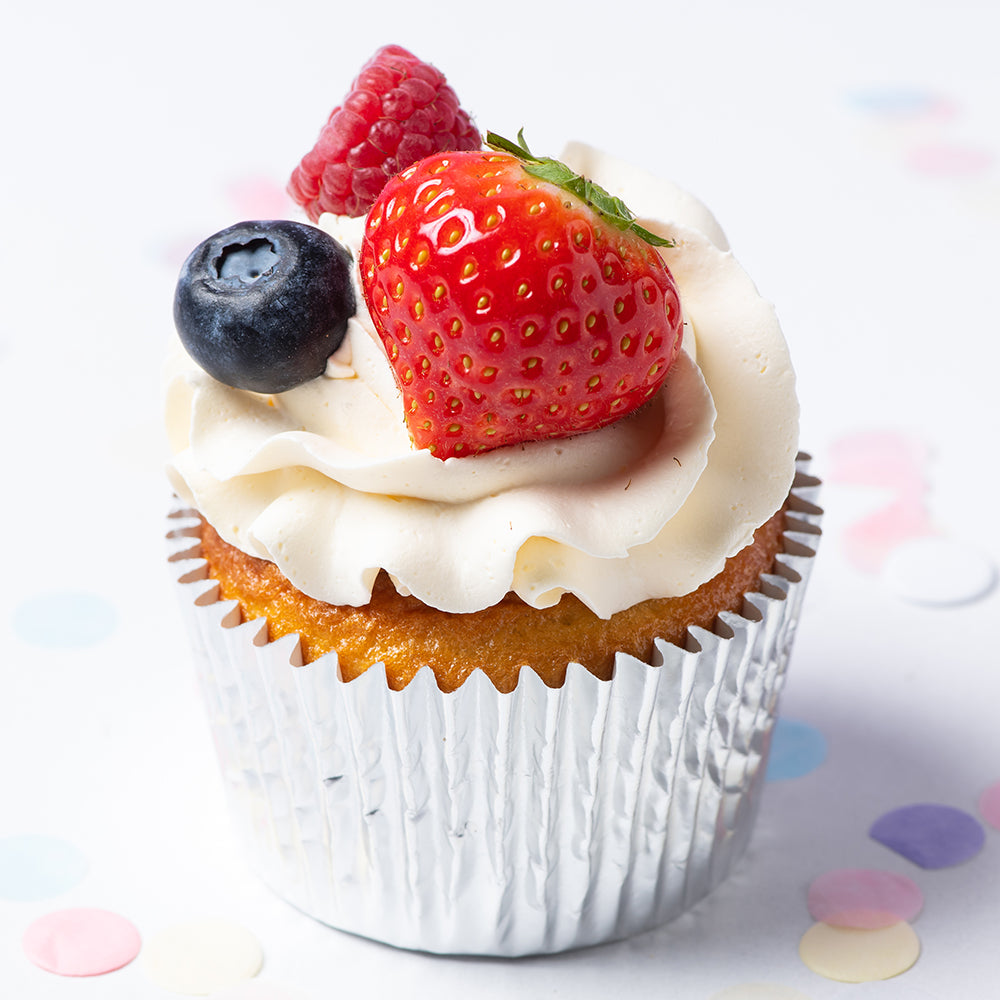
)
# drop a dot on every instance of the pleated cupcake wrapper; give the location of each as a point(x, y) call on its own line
point(483, 823)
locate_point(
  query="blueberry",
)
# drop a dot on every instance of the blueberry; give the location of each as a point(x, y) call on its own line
point(262, 305)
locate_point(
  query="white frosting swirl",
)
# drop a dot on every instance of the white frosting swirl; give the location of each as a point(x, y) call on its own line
point(324, 481)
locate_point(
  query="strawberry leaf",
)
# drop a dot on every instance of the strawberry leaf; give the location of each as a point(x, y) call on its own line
point(545, 168)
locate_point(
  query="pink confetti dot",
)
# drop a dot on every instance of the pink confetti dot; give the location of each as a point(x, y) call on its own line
point(260, 198)
point(81, 942)
point(885, 458)
point(943, 160)
point(989, 805)
point(864, 898)
point(870, 542)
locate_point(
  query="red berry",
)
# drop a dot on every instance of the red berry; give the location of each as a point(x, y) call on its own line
point(510, 309)
point(398, 111)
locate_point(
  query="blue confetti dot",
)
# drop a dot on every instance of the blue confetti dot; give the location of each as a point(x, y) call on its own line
point(796, 749)
point(35, 867)
point(65, 619)
point(895, 101)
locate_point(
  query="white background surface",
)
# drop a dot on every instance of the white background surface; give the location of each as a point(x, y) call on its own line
point(129, 136)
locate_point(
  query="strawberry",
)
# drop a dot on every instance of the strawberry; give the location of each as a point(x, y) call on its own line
point(516, 300)
point(398, 111)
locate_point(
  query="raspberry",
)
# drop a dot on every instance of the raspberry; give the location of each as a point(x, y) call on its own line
point(398, 111)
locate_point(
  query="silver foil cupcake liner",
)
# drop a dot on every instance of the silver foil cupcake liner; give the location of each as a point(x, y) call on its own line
point(483, 823)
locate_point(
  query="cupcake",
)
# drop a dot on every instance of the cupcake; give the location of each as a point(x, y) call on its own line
point(491, 532)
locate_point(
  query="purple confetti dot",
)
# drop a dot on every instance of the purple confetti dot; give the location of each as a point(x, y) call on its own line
point(929, 835)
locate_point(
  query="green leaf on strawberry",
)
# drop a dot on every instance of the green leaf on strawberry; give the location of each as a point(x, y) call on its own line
point(513, 307)
point(609, 207)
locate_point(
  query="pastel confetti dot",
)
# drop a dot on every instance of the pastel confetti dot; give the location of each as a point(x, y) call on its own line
point(872, 540)
point(259, 198)
point(885, 458)
point(864, 898)
point(850, 955)
point(939, 571)
point(64, 619)
point(948, 160)
point(202, 957)
point(81, 942)
point(929, 835)
point(796, 749)
point(989, 805)
point(759, 991)
point(893, 461)
point(903, 102)
point(35, 867)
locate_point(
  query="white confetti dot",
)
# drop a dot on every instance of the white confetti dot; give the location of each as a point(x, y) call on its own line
point(939, 571)
point(202, 957)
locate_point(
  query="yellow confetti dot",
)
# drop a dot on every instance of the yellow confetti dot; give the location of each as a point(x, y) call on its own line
point(852, 955)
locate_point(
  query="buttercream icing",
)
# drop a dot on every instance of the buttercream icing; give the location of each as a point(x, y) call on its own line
point(324, 481)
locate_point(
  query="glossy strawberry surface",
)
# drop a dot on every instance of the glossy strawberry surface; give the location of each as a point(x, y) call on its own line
point(509, 308)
